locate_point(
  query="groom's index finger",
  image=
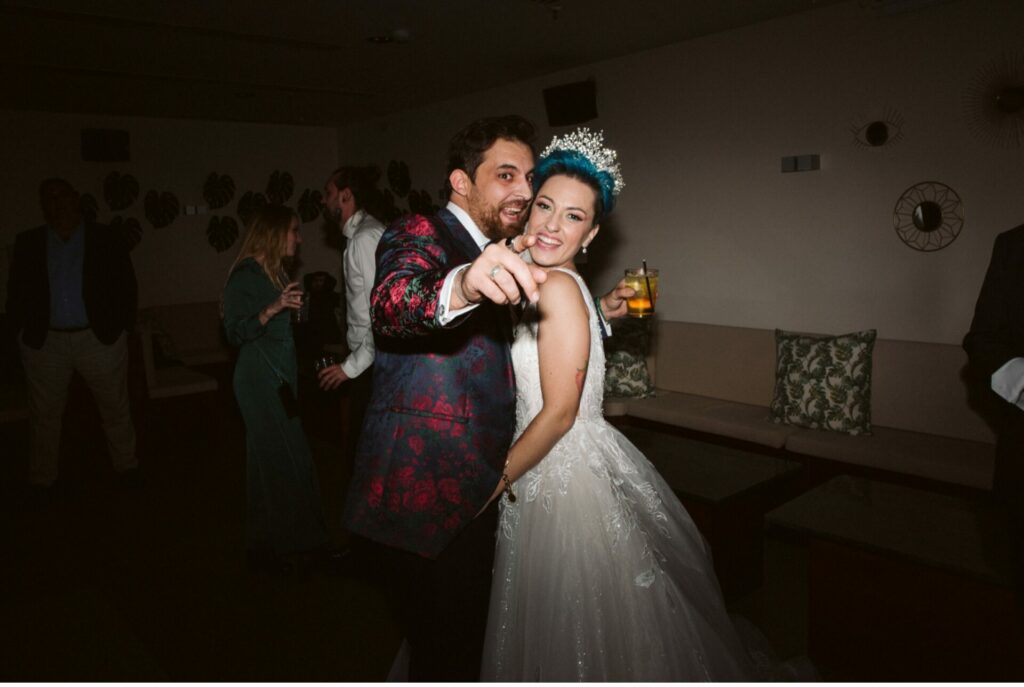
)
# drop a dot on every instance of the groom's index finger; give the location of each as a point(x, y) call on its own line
point(523, 242)
point(526, 276)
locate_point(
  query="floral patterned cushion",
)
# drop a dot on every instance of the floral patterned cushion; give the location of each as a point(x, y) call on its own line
point(626, 374)
point(824, 382)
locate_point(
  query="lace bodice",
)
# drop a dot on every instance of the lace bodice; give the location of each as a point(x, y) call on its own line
point(529, 398)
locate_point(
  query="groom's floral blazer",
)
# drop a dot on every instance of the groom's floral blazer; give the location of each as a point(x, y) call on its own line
point(442, 412)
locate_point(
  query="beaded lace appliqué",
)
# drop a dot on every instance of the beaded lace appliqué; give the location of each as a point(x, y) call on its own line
point(553, 476)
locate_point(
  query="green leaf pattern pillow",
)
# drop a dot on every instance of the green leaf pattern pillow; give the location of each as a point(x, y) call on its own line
point(824, 382)
point(626, 374)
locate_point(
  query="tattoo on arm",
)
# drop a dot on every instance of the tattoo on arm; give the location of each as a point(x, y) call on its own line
point(581, 377)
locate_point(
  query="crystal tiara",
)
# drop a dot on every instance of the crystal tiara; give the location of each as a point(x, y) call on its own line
point(590, 144)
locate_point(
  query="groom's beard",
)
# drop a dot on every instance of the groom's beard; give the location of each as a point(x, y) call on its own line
point(491, 224)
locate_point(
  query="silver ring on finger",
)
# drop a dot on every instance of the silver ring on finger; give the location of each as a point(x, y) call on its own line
point(494, 271)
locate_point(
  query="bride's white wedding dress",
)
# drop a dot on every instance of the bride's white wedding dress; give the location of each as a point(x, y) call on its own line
point(600, 574)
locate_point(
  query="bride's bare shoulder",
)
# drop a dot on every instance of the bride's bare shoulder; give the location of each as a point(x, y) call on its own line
point(559, 292)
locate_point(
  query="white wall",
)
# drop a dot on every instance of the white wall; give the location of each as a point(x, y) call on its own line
point(701, 126)
point(174, 264)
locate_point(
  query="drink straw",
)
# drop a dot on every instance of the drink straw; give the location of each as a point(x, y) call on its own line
point(647, 279)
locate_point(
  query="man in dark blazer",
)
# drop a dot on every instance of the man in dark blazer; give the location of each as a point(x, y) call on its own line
point(71, 298)
point(442, 411)
point(995, 347)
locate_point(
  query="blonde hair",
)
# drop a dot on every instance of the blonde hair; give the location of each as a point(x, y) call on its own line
point(266, 240)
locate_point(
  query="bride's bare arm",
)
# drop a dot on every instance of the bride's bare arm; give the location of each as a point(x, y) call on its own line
point(564, 350)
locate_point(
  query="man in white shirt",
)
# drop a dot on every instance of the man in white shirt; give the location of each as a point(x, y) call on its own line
point(995, 346)
point(347, 194)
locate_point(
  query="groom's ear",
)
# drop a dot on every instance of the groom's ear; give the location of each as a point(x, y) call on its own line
point(460, 182)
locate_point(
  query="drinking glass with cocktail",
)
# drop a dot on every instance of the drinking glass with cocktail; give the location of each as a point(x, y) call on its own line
point(644, 281)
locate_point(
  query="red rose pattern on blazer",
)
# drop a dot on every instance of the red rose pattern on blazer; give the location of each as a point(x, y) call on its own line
point(442, 412)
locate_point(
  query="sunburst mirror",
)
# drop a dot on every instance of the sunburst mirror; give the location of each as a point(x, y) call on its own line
point(994, 101)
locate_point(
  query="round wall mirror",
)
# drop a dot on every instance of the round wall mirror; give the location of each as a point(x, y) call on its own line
point(928, 216)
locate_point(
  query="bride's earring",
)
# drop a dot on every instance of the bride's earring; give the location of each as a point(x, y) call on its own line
point(584, 250)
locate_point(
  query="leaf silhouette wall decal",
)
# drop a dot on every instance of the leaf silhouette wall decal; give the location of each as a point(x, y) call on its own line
point(420, 203)
point(218, 190)
point(222, 232)
point(161, 208)
point(249, 205)
point(280, 187)
point(398, 178)
point(120, 190)
point(310, 205)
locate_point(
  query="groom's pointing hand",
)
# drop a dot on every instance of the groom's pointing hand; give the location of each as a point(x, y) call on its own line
point(499, 275)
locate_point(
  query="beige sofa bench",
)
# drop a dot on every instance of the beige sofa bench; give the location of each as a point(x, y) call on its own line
point(720, 380)
point(193, 331)
point(187, 334)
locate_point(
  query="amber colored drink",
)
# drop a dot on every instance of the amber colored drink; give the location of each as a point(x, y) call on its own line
point(645, 283)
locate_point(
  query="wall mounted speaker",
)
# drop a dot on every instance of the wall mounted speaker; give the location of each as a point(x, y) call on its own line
point(571, 103)
point(105, 145)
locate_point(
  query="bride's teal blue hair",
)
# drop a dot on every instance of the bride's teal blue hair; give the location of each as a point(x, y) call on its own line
point(577, 166)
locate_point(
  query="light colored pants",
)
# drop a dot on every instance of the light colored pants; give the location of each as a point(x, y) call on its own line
point(48, 372)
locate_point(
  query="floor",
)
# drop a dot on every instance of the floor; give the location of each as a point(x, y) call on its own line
point(102, 582)
point(106, 583)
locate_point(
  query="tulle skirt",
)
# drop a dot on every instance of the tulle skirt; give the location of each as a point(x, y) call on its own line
point(601, 575)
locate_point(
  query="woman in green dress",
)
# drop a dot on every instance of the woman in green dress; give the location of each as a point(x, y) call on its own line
point(284, 517)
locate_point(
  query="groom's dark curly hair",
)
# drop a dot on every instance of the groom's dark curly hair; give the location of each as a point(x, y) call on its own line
point(467, 147)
